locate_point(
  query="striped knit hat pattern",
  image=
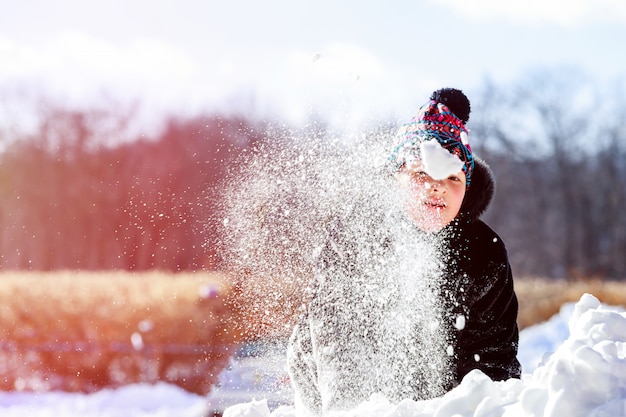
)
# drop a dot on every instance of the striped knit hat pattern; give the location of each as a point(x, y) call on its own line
point(440, 121)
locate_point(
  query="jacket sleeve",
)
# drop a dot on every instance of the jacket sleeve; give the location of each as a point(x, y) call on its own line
point(302, 369)
point(323, 358)
point(488, 340)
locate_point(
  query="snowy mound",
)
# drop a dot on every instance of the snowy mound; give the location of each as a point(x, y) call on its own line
point(585, 376)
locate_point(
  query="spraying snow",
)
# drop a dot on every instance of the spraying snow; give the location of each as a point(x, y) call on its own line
point(279, 205)
point(280, 210)
point(328, 217)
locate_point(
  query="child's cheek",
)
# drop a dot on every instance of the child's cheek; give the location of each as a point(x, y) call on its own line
point(403, 180)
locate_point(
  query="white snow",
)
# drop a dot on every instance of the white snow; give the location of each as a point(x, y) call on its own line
point(459, 323)
point(584, 376)
point(439, 163)
point(138, 400)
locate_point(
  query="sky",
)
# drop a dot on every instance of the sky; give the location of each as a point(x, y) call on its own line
point(349, 61)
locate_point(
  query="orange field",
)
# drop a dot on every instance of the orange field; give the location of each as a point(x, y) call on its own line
point(85, 331)
point(540, 299)
point(79, 331)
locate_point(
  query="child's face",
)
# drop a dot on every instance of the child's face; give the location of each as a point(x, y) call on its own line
point(433, 204)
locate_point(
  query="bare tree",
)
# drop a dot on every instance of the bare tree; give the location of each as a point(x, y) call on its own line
point(554, 151)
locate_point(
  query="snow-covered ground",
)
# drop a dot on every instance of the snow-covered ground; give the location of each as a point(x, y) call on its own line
point(584, 376)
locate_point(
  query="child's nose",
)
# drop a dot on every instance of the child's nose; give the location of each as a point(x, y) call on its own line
point(437, 185)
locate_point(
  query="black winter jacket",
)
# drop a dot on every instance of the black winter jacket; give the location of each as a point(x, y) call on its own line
point(480, 288)
point(333, 351)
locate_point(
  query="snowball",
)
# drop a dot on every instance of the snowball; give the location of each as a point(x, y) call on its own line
point(438, 162)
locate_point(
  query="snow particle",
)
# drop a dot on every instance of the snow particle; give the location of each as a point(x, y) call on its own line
point(450, 350)
point(145, 325)
point(464, 138)
point(459, 323)
point(137, 341)
point(476, 357)
point(208, 291)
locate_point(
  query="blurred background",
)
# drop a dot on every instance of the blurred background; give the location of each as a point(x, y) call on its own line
point(119, 119)
point(116, 118)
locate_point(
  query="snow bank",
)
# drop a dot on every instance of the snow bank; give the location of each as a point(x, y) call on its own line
point(136, 400)
point(585, 376)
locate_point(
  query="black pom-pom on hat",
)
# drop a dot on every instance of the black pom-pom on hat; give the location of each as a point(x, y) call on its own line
point(455, 100)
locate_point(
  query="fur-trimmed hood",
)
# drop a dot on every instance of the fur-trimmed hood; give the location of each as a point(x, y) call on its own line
point(480, 193)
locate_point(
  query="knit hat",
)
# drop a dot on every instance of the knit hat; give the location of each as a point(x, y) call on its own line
point(437, 136)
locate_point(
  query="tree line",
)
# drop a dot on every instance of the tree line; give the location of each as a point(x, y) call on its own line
point(557, 143)
point(72, 200)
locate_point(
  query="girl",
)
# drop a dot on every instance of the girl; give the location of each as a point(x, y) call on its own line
point(335, 352)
